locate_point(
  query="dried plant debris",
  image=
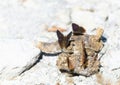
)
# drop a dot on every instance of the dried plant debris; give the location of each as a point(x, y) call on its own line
point(78, 51)
point(55, 28)
point(81, 54)
point(52, 47)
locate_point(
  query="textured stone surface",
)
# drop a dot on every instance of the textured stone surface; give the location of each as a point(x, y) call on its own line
point(16, 56)
point(29, 19)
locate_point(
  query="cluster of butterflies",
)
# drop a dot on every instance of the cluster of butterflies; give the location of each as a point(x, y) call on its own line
point(65, 40)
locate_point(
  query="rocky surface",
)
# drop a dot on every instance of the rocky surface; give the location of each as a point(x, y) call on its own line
point(17, 56)
point(29, 19)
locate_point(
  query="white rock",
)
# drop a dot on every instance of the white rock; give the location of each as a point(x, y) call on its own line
point(16, 56)
point(29, 18)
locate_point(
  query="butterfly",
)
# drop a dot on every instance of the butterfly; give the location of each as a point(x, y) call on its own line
point(78, 30)
point(63, 40)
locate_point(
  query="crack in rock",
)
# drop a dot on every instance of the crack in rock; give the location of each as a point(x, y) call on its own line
point(32, 63)
point(36, 60)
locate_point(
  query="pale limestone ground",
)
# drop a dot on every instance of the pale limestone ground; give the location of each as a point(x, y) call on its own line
point(29, 19)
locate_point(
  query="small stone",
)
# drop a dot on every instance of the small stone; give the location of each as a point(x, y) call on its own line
point(48, 47)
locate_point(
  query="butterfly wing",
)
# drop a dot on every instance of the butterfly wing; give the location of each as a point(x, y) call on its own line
point(77, 30)
point(63, 40)
point(60, 39)
point(68, 39)
point(59, 35)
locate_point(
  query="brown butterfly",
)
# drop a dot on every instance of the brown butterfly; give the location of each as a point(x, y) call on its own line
point(63, 40)
point(78, 30)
